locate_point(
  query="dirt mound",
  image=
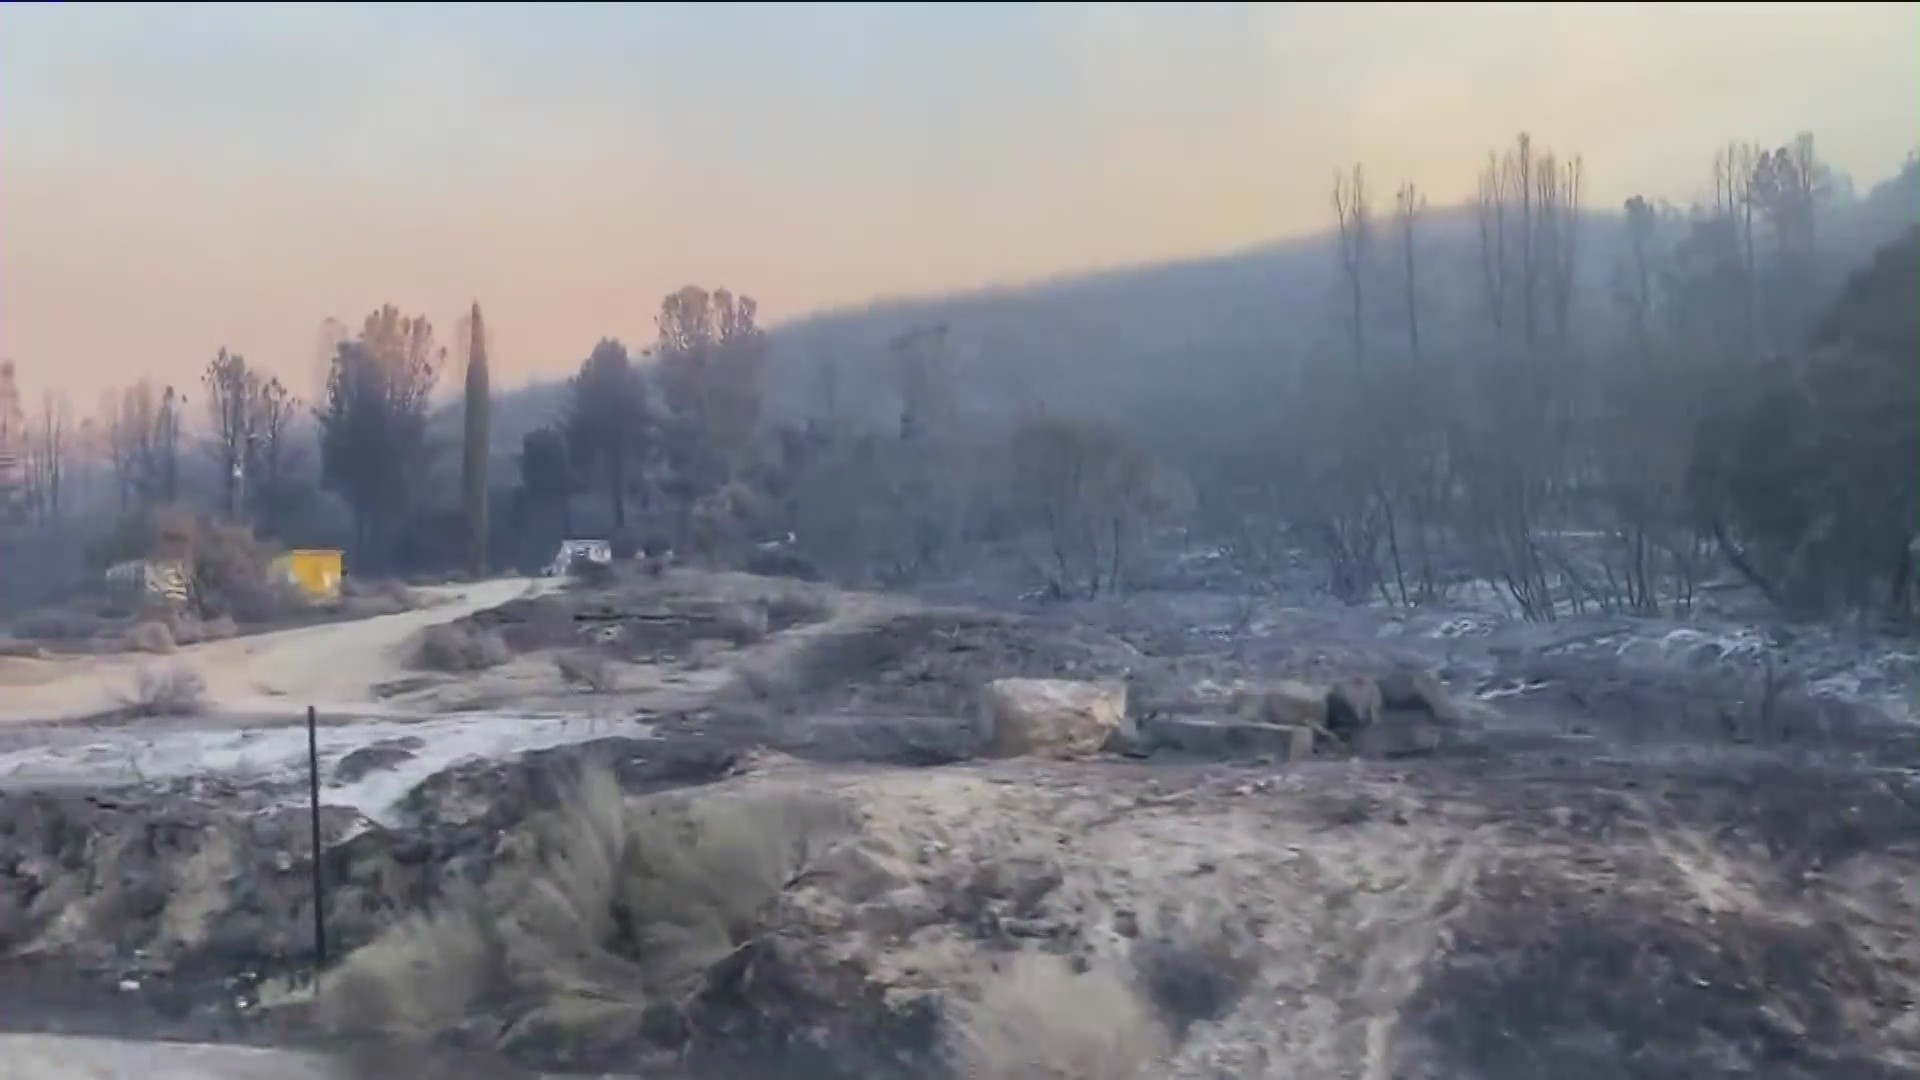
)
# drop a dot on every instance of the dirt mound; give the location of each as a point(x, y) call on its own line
point(1459, 918)
point(112, 882)
point(934, 662)
point(1401, 921)
point(199, 882)
point(636, 618)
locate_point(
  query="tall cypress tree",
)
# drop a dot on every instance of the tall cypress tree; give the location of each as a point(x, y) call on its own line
point(473, 465)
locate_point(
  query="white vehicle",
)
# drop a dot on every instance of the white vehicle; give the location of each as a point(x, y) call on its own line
point(599, 551)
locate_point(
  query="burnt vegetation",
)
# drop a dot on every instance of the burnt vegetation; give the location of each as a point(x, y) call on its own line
point(1623, 410)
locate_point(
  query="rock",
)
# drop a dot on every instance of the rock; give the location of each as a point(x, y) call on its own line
point(1052, 718)
point(1420, 692)
point(1211, 694)
point(1353, 705)
point(1288, 702)
point(1229, 738)
point(1402, 714)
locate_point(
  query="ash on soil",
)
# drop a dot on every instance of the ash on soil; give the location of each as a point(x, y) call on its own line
point(1618, 870)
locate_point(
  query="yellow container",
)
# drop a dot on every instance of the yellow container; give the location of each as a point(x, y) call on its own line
point(316, 570)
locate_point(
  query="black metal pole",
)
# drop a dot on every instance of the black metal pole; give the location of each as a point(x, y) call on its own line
point(313, 782)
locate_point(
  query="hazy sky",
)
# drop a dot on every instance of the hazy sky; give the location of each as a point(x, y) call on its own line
point(177, 178)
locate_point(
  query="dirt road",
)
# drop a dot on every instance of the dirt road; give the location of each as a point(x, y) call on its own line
point(62, 1057)
point(45, 1057)
point(332, 666)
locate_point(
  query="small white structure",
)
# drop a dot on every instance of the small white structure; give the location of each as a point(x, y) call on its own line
point(139, 583)
point(599, 551)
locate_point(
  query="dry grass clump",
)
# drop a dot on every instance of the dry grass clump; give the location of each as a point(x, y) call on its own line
point(621, 909)
point(420, 977)
point(1037, 1020)
point(589, 670)
point(174, 691)
point(13, 648)
point(233, 576)
point(591, 573)
point(624, 905)
point(796, 609)
point(162, 633)
point(152, 636)
point(70, 622)
point(459, 647)
point(1195, 966)
point(364, 599)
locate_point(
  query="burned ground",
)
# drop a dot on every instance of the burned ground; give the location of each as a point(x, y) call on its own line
point(1615, 869)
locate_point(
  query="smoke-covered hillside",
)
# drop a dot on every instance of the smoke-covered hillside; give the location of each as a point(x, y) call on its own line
point(1207, 340)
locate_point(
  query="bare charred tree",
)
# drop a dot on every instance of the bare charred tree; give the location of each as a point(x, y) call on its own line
point(926, 384)
point(248, 411)
point(231, 389)
point(1408, 205)
point(269, 452)
point(1785, 188)
point(1086, 496)
point(1490, 207)
point(147, 434)
point(1347, 508)
point(13, 448)
point(923, 486)
point(1635, 453)
point(826, 391)
point(1508, 468)
point(1633, 291)
point(139, 415)
point(47, 455)
point(327, 339)
point(1423, 395)
point(1560, 188)
point(166, 445)
point(473, 459)
point(1354, 217)
point(1736, 168)
point(119, 444)
point(1521, 167)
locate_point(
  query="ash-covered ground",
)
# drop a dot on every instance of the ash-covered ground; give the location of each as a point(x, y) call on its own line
point(1635, 848)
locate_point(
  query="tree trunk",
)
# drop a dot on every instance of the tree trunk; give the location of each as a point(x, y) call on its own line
point(473, 472)
point(617, 492)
